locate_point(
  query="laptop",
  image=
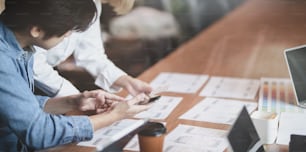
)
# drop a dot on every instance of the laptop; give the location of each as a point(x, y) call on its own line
point(243, 136)
point(296, 63)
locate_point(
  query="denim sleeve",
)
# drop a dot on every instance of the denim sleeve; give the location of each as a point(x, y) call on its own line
point(42, 100)
point(20, 112)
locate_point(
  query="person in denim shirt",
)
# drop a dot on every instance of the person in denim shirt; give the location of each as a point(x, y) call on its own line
point(29, 122)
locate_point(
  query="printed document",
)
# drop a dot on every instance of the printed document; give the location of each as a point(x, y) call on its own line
point(186, 138)
point(161, 108)
point(179, 82)
point(226, 87)
point(276, 95)
point(105, 136)
point(216, 110)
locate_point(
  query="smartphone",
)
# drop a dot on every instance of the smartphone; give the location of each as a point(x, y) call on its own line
point(154, 98)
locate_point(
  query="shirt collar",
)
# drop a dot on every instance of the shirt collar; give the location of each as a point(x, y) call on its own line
point(9, 43)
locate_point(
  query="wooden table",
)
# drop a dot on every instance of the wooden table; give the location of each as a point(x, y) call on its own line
point(247, 43)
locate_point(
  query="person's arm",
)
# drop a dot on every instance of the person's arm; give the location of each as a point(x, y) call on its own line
point(108, 76)
point(90, 54)
point(120, 111)
point(98, 100)
point(113, 107)
point(132, 85)
point(47, 79)
point(21, 114)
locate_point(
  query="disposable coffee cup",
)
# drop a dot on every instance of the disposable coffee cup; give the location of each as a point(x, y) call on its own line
point(266, 124)
point(151, 138)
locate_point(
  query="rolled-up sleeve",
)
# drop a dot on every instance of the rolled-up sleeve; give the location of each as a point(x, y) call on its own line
point(90, 54)
point(42, 100)
point(21, 113)
point(47, 79)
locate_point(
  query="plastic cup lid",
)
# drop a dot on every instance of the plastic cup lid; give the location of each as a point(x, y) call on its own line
point(153, 129)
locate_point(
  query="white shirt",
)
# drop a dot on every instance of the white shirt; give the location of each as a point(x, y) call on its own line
point(88, 51)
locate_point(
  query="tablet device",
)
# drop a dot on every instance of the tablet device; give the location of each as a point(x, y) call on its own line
point(243, 136)
point(296, 63)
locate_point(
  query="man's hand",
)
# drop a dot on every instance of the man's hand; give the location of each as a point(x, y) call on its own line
point(133, 86)
point(97, 100)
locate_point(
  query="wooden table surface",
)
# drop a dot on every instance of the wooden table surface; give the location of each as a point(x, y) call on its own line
point(247, 43)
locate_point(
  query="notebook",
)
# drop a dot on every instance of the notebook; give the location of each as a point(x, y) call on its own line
point(296, 63)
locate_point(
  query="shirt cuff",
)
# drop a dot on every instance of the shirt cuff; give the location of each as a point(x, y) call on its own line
point(42, 100)
point(82, 128)
point(106, 80)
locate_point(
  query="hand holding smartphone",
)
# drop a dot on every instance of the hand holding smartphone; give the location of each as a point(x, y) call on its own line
point(154, 98)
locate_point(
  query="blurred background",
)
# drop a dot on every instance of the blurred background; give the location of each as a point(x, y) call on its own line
point(155, 28)
point(149, 32)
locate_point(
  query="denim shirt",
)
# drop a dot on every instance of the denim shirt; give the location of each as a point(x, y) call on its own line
point(24, 126)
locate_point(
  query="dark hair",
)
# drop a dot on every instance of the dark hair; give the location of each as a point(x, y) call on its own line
point(54, 17)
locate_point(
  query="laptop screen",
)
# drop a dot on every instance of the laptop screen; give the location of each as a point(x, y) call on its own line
point(296, 61)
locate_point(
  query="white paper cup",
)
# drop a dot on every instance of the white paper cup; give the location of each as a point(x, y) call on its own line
point(266, 124)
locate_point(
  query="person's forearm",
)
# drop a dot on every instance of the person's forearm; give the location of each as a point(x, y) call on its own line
point(104, 120)
point(61, 105)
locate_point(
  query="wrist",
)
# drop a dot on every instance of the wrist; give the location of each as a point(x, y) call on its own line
point(123, 81)
point(61, 105)
point(104, 119)
point(116, 115)
point(73, 101)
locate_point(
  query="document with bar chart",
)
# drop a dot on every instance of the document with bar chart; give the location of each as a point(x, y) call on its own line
point(277, 95)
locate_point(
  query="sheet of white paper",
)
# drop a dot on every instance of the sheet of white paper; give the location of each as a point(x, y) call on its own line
point(227, 87)
point(277, 95)
point(179, 82)
point(290, 123)
point(185, 138)
point(161, 108)
point(106, 134)
point(217, 110)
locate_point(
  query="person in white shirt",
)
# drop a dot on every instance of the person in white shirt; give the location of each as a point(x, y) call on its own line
point(88, 51)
